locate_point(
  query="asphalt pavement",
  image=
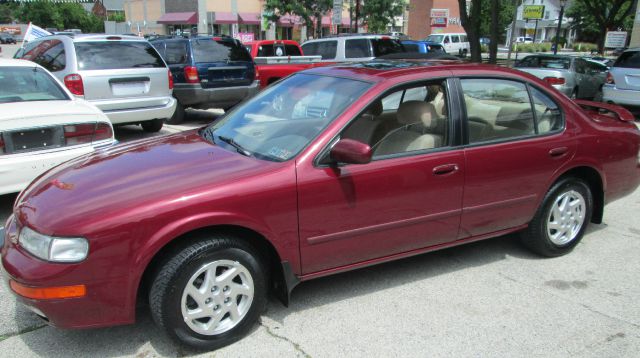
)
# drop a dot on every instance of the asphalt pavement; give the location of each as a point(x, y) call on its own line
point(486, 299)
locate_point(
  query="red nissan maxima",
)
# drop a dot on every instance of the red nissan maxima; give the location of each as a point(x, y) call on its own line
point(330, 170)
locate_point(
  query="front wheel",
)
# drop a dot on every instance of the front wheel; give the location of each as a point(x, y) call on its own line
point(560, 223)
point(209, 294)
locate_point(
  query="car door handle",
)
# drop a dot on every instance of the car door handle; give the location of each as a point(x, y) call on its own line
point(445, 169)
point(557, 152)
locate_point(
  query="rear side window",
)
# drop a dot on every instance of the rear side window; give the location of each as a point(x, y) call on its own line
point(217, 51)
point(384, 46)
point(629, 59)
point(26, 84)
point(326, 49)
point(455, 39)
point(175, 52)
point(463, 38)
point(292, 50)
point(48, 54)
point(108, 55)
point(357, 48)
point(266, 51)
point(547, 112)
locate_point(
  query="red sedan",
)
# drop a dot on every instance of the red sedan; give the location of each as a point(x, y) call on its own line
point(330, 170)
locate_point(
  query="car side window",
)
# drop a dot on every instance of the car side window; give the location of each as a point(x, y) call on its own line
point(176, 52)
point(497, 109)
point(446, 39)
point(548, 115)
point(326, 49)
point(292, 50)
point(580, 67)
point(455, 39)
point(357, 48)
point(463, 38)
point(419, 122)
point(51, 55)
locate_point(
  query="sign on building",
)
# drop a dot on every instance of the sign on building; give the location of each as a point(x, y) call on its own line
point(336, 19)
point(439, 17)
point(615, 39)
point(14, 30)
point(533, 12)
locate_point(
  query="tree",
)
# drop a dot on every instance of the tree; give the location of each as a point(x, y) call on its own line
point(504, 9)
point(493, 45)
point(41, 13)
point(64, 15)
point(377, 14)
point(471, 24)
point(7, 12)
point(593, 18)
point(311, 11)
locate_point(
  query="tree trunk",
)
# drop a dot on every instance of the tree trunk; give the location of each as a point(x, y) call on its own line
point(471, 25)
point(493, 45)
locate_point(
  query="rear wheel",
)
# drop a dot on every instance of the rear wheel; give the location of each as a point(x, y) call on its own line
point(211, 293)
point(561, 221)
point(152, 126)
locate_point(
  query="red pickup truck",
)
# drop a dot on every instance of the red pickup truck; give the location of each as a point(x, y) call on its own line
point(276, 59)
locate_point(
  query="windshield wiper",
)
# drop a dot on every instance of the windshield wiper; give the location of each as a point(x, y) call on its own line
point(234, 144)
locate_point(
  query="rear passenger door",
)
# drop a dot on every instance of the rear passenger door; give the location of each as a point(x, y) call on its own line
point(516, 141)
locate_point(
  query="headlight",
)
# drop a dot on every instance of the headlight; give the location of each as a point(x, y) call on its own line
point(55, 249)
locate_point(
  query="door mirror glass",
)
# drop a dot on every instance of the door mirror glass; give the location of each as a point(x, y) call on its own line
point(351, 151)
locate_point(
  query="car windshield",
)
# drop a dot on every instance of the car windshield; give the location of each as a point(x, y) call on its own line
point(27, 84)
point(280, 121)
point(207, 50)
point(435, 38)
point(114, 54)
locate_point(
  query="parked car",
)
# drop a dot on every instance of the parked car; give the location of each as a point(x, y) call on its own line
point(7, 38)
point(422, 46)
point(208, 72)
point(454, 44)
point(524, 39)
point(276, 59)
point(42, 124)
point(623, 81)
point(375, 161)
point(123, 76)
point(573, 76)
point(352, 48)
point(603, 60)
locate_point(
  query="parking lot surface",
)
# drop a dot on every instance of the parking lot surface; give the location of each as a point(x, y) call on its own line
point(490, 298)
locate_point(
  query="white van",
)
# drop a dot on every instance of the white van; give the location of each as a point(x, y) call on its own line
point(455, 44)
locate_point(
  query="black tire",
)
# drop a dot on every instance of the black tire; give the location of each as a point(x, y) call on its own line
point(536, 237)
point(152, 126)
point(178, 115)
point(165, 296)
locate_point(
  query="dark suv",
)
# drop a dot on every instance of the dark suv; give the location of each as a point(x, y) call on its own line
point(208, 72)
point(7, 38)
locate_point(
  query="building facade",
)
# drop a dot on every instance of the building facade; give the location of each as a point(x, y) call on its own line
point(428, 17)
point(239, 18)
point(543, 30)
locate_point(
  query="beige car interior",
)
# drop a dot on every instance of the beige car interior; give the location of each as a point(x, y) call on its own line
point(415, 125)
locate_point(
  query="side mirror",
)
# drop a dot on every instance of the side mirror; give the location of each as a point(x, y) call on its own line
point(351, 152)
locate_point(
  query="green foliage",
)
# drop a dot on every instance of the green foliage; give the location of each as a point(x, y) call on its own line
point(484, 48)
point(505, 15)
point(532, 48)
point(306, 9)
point(59, 15)
point(378, 14)
point(7, 12)
point(585, 47)
point(117, 17)
point(592, 18)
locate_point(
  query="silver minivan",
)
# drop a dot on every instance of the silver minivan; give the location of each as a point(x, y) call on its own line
point(623, 82)
point(124, 76)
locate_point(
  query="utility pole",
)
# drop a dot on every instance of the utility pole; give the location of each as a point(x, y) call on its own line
point(555, 47)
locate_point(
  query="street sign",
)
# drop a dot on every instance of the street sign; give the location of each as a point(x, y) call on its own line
point(336, 19)
point(533, 12)
point(615, 39)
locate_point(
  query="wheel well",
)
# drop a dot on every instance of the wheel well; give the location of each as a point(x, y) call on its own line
point(272, 80)
point(593, 179)
point(262, 246)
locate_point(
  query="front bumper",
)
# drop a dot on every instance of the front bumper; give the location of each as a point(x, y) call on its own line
point(193, 95)
point(101, 306)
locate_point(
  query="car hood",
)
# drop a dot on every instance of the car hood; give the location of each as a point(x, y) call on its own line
point(131, 181)
point(45, 113)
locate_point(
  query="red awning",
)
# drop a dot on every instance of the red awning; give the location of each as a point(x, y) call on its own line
point(179, 18)
point(249, 18)
point(289, 20)
point(220, 17)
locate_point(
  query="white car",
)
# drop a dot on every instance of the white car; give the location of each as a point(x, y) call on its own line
point(454, 44)
point(42, 124)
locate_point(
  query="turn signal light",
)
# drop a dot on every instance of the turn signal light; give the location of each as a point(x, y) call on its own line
point(554, 80)
point(48, 293)
point(74, 84)
point(191, 74)
point(610, 79)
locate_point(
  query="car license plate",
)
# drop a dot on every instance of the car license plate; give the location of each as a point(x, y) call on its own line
point(27, 140)
point(128, 88)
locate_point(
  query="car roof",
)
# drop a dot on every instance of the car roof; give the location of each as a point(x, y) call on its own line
point(351, 37)
point(381, 70)
point(271, 42)
point(102, 37)
point(10, 62)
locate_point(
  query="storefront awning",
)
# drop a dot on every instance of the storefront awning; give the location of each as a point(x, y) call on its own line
point(221, 17)
point(289, 20)
point(249, 18)
point(179, 18)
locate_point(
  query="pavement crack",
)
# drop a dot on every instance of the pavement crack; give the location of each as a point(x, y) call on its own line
point(295, 345)
point(589, 308)
point(22, 331)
